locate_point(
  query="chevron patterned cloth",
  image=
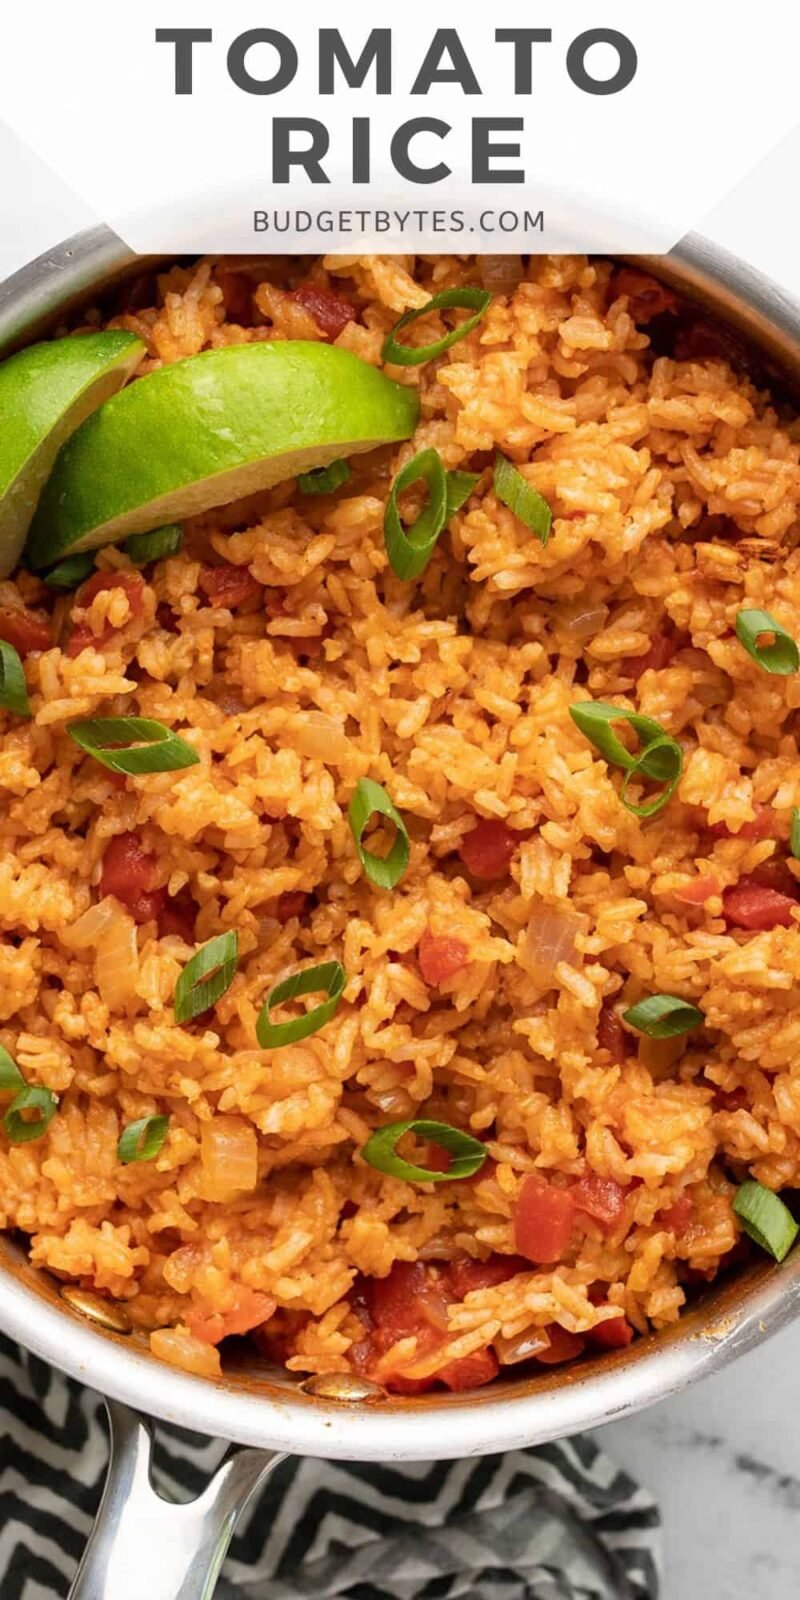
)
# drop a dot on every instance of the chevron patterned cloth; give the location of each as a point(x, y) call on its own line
point(561, 1522)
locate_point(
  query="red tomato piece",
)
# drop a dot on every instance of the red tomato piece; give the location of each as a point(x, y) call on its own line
point(601, 1198)
point(440, 957)
point(292, 904)
point(543, 1221)
point(464, 1275)
point(752, 906)
point(648, 298)
point(250, 1311)
point(615, 1334)
point(25, 630)
point(470, 1372)
point(407, 1300)
point(656, 658)
point(678, 1216)
point(237, 294)
point(486, 852)
point(563, 1346)
point(330, 312)
point(178, 915)
point(129, 873)
point(229, 586)
point(611, 1035)
point(763, 826)
point(697, 891)
point(82, 636)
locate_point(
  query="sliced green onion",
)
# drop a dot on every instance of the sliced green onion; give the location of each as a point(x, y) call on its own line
point(10, 1075)
point(132, 744)
point(323, 480)
point(459, 488)
point(410, 549)
point(404, 355)
point(370, 800)
point(468, 1153)
point(70, 574)
point(329, 978)
point(526, 503)
point(206, 977)
point(663, 1016)
point(155, 546)
point(663, 761)
point(142, 1140)
point(13, 688)
point(765, 1218)
point(782, 656)
point(20, 1129)
point(794, 833)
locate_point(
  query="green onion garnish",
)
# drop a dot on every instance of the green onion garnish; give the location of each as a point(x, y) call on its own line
point(329, 978)
point(794, 833)
point(155, 546)
point(323, 480)
point(206, 977)
point(404, 355)
point(459, 488)
point(132, 744)
point(10, 1075)
point(410, 550)
point(20, 1129)
point(661, 759)
point(765, 1218)
point(71, 573)
point(782, 656)
point(142, 1140)
point(13, 688)
point(370, 800)
point(468, 1153)
point(663, 1016)
point(526, 503)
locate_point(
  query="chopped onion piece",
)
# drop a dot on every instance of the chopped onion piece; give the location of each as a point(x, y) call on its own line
point(314, 734)
point(116, 964)
point(501, 272)
point(91, 927)
point(523, 1347)
point(181, 1349)
point(550, 938)
point(580, 620)
point(229, 1158)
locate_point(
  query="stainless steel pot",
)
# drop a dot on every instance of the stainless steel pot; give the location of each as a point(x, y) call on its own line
point(143, 1546)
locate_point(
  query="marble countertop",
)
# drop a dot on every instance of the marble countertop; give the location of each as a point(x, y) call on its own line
point(723, 1459)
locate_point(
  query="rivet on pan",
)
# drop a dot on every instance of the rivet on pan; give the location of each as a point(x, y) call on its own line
point(342, 1386)
point(106, 1312)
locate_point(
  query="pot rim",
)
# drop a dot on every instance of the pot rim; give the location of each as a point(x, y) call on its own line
point(734, 1318)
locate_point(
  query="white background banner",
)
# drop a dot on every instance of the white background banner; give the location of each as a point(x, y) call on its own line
point(457, 137)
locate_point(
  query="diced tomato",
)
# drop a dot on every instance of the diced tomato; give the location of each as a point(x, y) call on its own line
point(487, 850)
point(601, 1198)
point(752, 906)
point(250, 1311)
point(178, 916)
point(237, 295)
point(677, 1216)
point(409, 1297)
point(763, 826)
point(470, 1372)
point(82, 636)
point(615, 1334)
point(25, 630)
point(563, 1346)
point(648, 298)
point(656, 658)
point(697, 891)
point(292, 904)
point(129, 873)
point(229, 586)
point(543, 1221)
point(611, 1035)
point(464, 1274)
point(330, 312)
point(440, 957)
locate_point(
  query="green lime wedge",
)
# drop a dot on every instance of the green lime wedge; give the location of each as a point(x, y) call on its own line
point(208, 430)
point(46, 392)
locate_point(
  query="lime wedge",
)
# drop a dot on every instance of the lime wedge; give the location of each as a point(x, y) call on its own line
point(46, 392)
point(209, 430)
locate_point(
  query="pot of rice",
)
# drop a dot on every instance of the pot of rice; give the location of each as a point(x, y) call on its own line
point(399, 847)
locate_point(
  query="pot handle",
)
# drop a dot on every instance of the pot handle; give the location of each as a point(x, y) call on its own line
point(144, 1545)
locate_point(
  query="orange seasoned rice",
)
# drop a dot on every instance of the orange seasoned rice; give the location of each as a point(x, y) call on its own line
point(674, 485)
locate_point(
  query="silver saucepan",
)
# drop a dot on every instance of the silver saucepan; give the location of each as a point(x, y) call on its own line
point(141, 1544)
